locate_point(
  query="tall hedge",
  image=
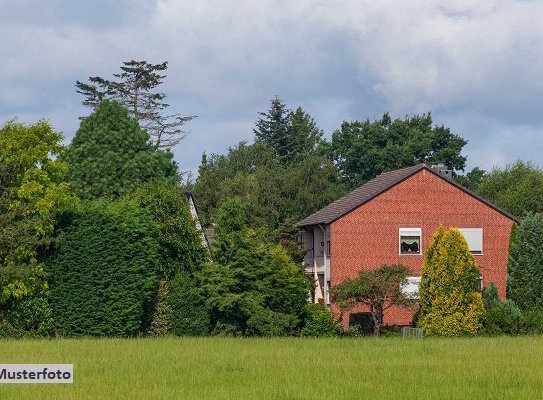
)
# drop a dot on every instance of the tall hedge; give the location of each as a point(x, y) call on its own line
point(450, 302)
point(102, 272)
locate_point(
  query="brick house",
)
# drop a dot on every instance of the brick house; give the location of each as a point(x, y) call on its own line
point(391, 219)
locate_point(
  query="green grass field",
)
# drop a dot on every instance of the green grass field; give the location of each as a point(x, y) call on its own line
point(290, 368)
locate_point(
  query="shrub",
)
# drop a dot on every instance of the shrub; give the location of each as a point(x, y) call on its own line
point(102, 271)
point(189, 315)
point(534, 321)
point(319, 321)
point(31, 316)
point(501, 318)
point(450, 304)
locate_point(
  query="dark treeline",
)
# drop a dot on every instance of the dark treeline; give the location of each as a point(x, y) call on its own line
point(97, 238)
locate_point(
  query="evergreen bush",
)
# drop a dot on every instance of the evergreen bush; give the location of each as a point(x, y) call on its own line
point(501, 317)
point(102, 271)
point(450, 303)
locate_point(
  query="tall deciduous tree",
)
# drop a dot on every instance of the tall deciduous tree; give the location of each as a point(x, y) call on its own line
point(525, 283)
point(450, 302)
point(135, 88)
point(518, 188)
point(32, 191)
point(379, 289)
point(363, 150)
point(110, 155)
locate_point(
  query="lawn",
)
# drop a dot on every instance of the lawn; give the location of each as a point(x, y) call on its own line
point(289, 368)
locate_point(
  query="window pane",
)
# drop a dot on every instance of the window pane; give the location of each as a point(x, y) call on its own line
point(410, 244)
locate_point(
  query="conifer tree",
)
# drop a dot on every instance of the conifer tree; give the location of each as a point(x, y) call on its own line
point(450, 302)
point(525, 284)
point(135, 89)
point(110, 155)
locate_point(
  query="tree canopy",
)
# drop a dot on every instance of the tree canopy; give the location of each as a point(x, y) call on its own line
point(518, 188)
point(32, 192)
point(110, 155)
point(450, 302)
point(378, 289)
point(363, 150)
point(284, 176)
point(135, 89)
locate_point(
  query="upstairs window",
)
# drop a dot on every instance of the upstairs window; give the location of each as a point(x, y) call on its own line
point(410, 241)
point(474, 238)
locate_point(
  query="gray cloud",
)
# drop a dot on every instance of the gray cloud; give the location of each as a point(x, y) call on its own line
point(476, 66)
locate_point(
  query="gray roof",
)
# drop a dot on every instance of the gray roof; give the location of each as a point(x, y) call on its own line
point(375, 187)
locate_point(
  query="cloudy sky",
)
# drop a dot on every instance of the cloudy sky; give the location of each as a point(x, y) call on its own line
point(476, 65)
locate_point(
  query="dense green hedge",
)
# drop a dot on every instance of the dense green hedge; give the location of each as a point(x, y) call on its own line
point(189, 315)
point(102, 272)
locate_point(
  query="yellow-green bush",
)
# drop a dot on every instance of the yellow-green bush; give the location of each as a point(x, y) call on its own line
point(450, 302)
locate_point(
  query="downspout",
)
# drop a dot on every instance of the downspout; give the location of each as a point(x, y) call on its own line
point(325, 286)
point(315, 274)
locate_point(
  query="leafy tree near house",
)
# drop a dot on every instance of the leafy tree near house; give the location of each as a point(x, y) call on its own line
point(363, 150)
point(110, 155)
point(135, 89)
point(32, 192)
point(525, 283)
point(378, 289)
point(472, 179)
point(450, 302)
point(518, 188)
point(251, 288)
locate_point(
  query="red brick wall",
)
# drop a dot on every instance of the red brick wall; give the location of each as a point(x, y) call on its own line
point(367, 237)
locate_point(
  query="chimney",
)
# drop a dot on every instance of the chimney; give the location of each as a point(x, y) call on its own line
point(442, 170)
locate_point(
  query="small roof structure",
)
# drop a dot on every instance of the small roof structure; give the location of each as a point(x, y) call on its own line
point(375, 187)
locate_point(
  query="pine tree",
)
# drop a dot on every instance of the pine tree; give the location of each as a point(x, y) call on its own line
point(272, 127)
point(450, 302)
point(292, 134)
point(134, 88)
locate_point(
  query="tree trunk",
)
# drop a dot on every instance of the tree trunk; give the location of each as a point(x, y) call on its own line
point(376, 310)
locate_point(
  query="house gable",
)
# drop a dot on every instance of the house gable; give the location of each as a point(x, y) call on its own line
point(368, 235)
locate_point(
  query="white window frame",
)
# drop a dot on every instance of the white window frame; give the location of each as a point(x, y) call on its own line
point(415, 231)
point(407, 289)
point(471, 230)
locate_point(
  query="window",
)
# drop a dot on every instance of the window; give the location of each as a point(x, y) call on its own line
point(328, 248)
point(411, 288)
point(410, 241)
point(474, 237)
